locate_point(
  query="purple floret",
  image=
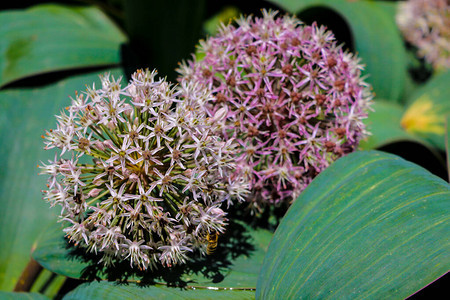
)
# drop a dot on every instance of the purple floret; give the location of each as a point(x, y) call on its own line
point(294, 99)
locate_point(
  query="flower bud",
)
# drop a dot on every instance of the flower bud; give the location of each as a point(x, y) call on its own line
point(94, 193)
point(108, 144)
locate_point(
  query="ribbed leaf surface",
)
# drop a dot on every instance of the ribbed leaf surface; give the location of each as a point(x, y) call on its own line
point(48, 38)
point(110, 290)
point(372, 225)
point(24, 117)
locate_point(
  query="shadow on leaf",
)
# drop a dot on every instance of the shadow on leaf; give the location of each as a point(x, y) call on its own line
point(235, 242)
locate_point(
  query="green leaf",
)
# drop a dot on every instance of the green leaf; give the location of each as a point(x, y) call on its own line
point(372, 225)
point(48, 38)
point(235, 264)
point(24, 115)
point(376, 38)
point(22, 296)
point(48, 283)
point(447, 144)
point(110, 290)
point(427, 110)
point(389, 7)
point(384, 125)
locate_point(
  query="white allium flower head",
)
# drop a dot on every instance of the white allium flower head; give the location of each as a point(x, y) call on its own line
point(156, 175)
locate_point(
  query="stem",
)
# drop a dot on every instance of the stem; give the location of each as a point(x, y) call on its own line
point(28, 276)
point(113, 139)
point(97, 132)
point(98, 197)
point(99, 155)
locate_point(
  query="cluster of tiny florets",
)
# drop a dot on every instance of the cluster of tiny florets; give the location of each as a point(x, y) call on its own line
point(426, 25)
point(140, 175)
point(295, 100)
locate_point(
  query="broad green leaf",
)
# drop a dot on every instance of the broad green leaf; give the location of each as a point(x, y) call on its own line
point(48, 283)
point(376, 39)
point(389, 7)
point(427, 110)
point(22, 296)
point(371, 226)
point(110, 290)
point(447, 144)
point(412, 61)
point(384, 125)
point(48, 37)
point(24, 115)
point(235, 264)
point(410, 86)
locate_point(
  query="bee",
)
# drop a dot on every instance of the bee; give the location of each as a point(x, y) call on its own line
point(212, 239)
point(78, 198)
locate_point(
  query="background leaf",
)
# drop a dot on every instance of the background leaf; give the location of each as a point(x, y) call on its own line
point(235, 264)
point(48, 37)
point(447, 145)
point(22, 296)
point(48, 284)
point(24, 115)
point(372, 225)
point(427, 110)
point(375, 36)
point(384, 125)
point(110, 290)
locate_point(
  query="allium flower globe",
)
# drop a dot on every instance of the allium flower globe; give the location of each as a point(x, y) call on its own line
point(140, 175)
point(295, 100)
point(426, 25)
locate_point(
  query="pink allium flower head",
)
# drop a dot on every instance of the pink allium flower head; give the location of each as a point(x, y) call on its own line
point(426, 25)
point(141, 173)
point(294, 100)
